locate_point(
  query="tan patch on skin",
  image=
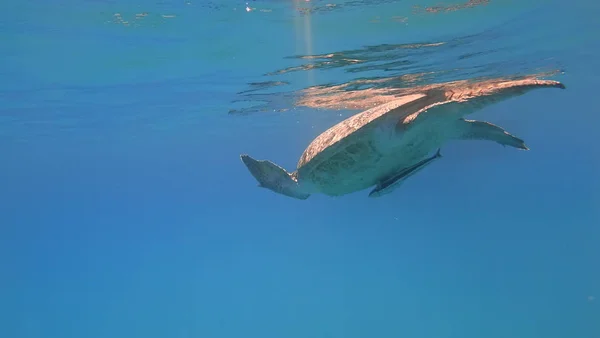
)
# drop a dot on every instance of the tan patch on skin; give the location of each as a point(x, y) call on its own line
point(451, 8)
point(338, 97)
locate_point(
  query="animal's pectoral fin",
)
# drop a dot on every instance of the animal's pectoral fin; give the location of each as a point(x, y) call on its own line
point(480, 130)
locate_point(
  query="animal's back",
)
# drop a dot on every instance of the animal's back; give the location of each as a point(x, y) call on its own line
point(357, 152)
point(351, 169)
point(376, 154)
point(352, 129)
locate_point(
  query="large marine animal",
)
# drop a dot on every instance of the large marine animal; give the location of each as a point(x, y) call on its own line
point(383, 146)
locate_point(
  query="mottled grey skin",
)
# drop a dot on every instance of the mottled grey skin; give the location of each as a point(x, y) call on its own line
point(377, 144)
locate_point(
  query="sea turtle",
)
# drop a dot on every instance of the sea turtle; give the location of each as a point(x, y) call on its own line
point(385, 145)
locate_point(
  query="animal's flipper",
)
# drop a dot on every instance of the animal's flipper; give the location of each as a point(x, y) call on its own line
point(273, 177)
point(481, 130)
point(389, 184)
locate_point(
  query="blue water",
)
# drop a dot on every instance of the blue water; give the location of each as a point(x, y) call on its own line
point(126, 212)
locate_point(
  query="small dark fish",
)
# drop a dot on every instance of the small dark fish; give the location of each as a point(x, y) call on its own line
point(391, 183)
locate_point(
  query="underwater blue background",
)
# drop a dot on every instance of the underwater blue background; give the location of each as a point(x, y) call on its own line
point(125, 210)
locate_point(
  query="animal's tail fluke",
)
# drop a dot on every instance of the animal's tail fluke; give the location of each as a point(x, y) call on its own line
point(273, 177)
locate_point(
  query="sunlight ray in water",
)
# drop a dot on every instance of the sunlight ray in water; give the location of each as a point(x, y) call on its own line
point(303, 29)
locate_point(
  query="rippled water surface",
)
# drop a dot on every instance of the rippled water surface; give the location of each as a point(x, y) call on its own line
point(125, 210)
